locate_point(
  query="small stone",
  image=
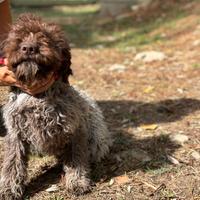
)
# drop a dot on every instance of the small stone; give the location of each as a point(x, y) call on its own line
point(163, 35)
point(117, 67)
point(173, 160)
point(195, 155)
point(111, 181)
point(99, 46)
point(150, 56)
point(196, 43)
point(53, 188)
point(135, 7)
point(180, 90)
point(179, 138)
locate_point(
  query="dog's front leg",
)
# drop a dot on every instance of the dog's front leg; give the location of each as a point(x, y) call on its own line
point(13, 171)
point(76, 165)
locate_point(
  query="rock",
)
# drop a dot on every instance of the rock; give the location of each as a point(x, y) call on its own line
point(180, 90)
point(117, 67)
point(53, 188)
point(179, 138)
point(195, 155)
point(150, 56)
point(99, 46)
point(196, 43)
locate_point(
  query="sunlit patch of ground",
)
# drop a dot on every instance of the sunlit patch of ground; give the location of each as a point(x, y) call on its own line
point(145, 104)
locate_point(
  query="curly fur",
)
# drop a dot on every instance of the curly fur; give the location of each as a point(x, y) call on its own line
point(53, 52)
point(62, 121)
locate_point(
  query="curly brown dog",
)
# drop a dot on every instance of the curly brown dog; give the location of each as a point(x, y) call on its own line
point(62, 121)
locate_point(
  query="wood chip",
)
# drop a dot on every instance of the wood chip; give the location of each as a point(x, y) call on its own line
point(53, 188)
point(122, 179)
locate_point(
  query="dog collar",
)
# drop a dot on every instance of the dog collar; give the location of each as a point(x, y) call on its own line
point(2, 61)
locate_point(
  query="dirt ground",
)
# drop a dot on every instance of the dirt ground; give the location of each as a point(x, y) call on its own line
point(147, 107)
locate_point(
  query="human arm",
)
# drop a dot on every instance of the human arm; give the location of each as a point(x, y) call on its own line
point(5, 19)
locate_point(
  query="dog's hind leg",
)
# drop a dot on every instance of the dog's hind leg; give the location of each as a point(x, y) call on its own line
point(76, 165)
point(13, 172)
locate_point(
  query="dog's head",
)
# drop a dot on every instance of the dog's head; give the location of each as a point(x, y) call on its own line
point(35, 48)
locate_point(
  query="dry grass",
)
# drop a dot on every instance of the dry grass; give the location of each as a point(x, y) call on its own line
point(144, 163)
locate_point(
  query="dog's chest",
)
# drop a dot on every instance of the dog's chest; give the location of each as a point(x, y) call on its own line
point(46, 126)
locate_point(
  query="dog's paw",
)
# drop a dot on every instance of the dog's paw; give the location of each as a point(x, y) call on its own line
point(8, 195)
point(9, 192)
point(78, 186)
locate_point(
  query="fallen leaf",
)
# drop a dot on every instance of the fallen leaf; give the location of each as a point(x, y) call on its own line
point(122, 179)
point(173, 160)
point(149, 127)
point(149, 89)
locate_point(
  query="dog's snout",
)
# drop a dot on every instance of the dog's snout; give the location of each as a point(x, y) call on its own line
point(29, 48)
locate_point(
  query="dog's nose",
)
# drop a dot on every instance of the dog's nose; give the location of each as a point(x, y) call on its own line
point(29, 48)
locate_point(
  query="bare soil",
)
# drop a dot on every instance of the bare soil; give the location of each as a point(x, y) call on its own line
point(145, 105)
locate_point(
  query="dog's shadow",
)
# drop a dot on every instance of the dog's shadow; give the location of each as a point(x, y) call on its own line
point(128, 152)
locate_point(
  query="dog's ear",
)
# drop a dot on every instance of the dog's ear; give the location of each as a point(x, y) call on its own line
point(62, 44)
point(65, 70)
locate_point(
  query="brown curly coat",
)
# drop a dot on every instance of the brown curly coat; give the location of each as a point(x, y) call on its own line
point(62, 121)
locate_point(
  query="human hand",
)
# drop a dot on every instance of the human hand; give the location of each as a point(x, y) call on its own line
point(7, 78)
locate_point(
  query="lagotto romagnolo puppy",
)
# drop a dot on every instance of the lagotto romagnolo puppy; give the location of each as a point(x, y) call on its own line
point(61, 121)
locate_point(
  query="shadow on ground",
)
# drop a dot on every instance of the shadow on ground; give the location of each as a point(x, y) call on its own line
point(154, 150)
point(169, 110)
point(130, 153)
